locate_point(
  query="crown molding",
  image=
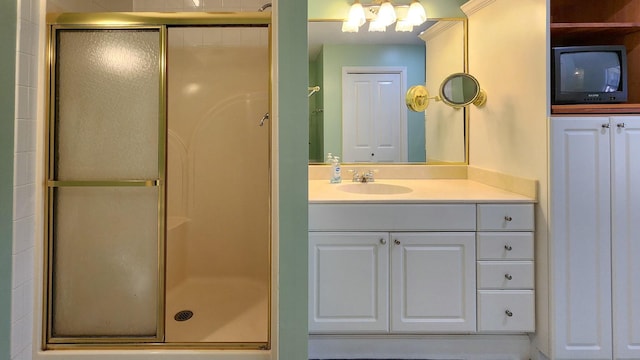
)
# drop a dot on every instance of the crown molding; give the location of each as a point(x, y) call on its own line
point(473, 6)
point(436, 29)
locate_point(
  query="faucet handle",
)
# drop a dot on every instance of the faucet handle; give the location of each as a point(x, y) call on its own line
point(369, 175)
point(354, 174)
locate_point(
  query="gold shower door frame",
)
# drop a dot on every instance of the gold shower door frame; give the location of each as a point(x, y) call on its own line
point(131, 21)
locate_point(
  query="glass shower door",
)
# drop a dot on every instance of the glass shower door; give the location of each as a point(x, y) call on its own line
point(106, 186)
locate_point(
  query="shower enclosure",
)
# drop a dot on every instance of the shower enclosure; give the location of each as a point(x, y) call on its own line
point(159, 225)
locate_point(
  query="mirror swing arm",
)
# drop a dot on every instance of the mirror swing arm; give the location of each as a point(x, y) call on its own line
point(457, 90)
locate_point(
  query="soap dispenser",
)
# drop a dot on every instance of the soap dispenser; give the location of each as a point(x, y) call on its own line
point(336, 173)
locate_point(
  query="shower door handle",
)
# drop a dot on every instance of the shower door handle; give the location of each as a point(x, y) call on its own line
point(264, 118)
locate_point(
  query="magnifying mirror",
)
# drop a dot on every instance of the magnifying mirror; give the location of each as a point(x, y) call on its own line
point(457, 90)
point(462, 89)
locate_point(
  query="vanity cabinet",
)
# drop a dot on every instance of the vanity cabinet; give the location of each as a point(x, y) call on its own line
point(595, 241)
point(433, 282)
point(411, 268)
point(349, 281)
point(505, 268)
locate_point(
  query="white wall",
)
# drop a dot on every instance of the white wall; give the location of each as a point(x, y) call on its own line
point(508, 55)
point(444, 124)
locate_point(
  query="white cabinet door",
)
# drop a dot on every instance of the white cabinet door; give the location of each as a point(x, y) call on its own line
point(580, 232)
point(348, 282)
point(626, 236)
point(433, 282)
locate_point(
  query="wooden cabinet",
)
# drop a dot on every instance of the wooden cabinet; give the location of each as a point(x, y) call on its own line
point(596, 22)
point(595, 227)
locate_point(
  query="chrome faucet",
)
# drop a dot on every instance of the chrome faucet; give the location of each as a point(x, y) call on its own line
point(362, 176)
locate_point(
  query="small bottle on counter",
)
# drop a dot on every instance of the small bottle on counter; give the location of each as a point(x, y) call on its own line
point(336, 172)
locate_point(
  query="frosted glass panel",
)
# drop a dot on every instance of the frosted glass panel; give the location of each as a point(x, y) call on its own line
point(105, 262)
point(108, 93)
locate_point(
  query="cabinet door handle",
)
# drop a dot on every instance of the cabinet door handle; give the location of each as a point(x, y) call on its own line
point(508, 247)
point(509, 313)
point(620, 125)
point(383, 241)
point(508, 276)
point(396, 241)
point(508, 218)
point(605, 126)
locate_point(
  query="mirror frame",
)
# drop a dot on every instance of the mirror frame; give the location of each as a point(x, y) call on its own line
point(478, 99)
point(465, 70)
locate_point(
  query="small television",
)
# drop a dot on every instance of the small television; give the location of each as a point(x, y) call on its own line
point(589, 74)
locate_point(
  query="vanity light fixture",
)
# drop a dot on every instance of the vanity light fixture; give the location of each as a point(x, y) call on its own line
point(382, 13)
point(356, 18)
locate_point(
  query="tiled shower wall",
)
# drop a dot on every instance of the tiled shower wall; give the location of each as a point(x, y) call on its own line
point(28, 123)
point(24, 208)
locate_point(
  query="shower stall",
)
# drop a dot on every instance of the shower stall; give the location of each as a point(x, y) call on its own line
point(159, 179)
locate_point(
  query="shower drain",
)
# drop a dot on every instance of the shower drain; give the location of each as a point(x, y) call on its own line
point(183, 315)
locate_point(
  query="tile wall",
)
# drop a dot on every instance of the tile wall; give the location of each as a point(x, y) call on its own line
point(24, 208)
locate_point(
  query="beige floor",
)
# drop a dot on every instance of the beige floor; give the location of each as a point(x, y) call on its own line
point(224, 310)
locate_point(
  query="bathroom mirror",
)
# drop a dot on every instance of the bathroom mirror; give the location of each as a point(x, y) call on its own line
point(460, 90)
point(428, 55)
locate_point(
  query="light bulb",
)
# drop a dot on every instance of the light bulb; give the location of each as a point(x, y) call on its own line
point(404, 26)
point(386, 14)
point(377, 26)
point(349, 27)
point(416, 14)
point(356, 14)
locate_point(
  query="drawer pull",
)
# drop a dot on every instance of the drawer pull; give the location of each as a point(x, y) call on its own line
point(508, 218)
point(396, 241)
point(508, 276)
point(383, 241)
point(509, 313)
point(508, 247)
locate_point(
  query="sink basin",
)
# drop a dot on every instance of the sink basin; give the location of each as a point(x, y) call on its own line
point(374, 188)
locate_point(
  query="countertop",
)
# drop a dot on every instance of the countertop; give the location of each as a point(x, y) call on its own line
point(420, 191)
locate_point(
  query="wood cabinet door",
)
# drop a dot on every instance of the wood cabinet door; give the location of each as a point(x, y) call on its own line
point(348, 282)
point(625, 215)
point(433, 282)
point(580, 236)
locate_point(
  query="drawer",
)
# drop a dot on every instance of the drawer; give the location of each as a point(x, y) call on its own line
point(505, 275)
point(505, 245)
point(505, 217)
point(392, 217)
point(506, 311)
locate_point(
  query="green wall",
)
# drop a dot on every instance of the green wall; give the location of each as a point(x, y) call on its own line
point(334, 57)
point(293, 150)
point(8, 15)
point(338, 9)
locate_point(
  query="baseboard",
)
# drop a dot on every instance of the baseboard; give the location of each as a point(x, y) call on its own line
point(440, 347)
